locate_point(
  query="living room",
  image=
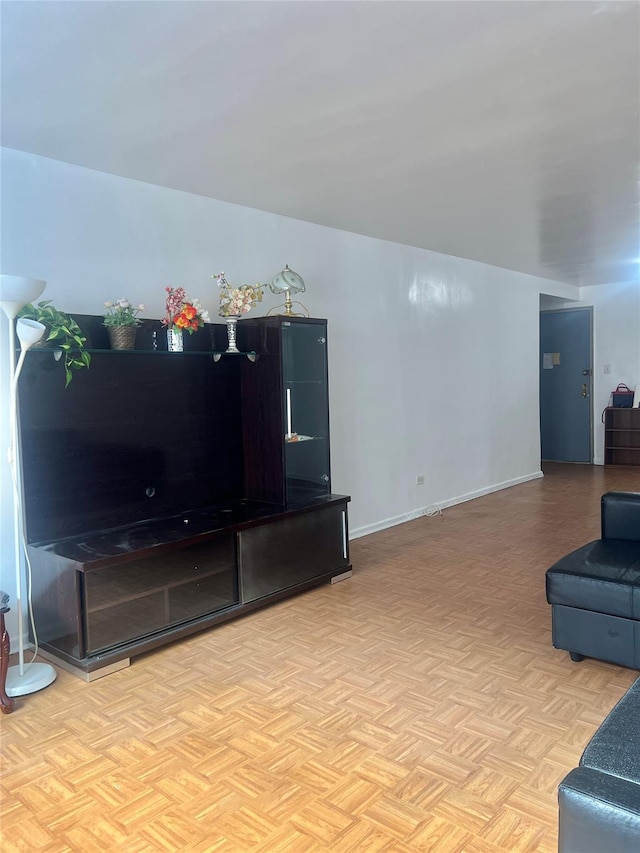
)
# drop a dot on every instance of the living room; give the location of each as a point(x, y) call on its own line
point(433, 373)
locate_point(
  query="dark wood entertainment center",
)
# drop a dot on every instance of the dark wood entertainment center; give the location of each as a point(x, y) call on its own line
point(168, 492)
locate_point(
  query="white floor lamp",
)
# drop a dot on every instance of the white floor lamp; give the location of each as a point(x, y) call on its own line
point(16, 292)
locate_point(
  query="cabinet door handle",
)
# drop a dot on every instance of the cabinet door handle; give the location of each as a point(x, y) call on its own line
point(344, 534)
point(322, 340)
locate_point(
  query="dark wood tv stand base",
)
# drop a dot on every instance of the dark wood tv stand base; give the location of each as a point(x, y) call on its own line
point(103, 598)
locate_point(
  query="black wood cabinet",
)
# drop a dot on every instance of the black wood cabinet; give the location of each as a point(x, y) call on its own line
point(168, 492)
point(621, 436)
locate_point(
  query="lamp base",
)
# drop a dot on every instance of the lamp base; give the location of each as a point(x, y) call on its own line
point(287, 310)
point(35, 676)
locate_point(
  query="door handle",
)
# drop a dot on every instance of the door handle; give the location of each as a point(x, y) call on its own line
point(585, 390)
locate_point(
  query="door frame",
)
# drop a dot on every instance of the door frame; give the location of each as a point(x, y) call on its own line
point(563, 310)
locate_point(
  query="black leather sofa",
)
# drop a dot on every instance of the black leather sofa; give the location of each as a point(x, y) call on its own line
point(594, 592)
point(599, 801)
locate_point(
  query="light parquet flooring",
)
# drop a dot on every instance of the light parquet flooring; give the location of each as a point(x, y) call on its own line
point(418, 706)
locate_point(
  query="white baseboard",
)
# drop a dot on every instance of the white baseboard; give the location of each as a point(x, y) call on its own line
point(357, 532)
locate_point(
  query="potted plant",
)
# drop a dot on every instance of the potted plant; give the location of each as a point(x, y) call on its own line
point(121, 321)
point(62, 334)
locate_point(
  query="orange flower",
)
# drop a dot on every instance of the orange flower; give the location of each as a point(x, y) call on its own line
point(189, 311)
point(183, 314)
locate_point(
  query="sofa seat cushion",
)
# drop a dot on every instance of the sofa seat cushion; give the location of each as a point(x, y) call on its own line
point(612, 749)
point(598, 813)
point(603, 576)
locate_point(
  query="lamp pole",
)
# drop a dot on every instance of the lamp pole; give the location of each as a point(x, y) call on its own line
point(15, 292)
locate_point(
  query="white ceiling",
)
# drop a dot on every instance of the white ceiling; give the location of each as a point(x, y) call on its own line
point(505, 132)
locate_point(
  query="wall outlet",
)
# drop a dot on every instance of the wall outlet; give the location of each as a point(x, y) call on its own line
point(420, 480)
point(607, 368)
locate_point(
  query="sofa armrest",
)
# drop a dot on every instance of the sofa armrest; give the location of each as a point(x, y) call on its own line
point(597, 813)
point(620, 515)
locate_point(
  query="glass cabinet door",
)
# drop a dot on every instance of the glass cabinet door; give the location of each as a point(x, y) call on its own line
point(306, 409)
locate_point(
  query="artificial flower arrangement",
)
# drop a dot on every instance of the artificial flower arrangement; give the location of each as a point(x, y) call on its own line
point(121, 312)
point(182, 312)
point(235, 301)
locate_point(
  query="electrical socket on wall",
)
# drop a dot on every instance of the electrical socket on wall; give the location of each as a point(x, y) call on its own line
point(607, 368)
point(420, 480)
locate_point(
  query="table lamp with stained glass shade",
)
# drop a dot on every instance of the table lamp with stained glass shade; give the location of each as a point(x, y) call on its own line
point(287, 281)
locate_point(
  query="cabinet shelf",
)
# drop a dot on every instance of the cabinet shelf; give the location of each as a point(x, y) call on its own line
point(216, 354)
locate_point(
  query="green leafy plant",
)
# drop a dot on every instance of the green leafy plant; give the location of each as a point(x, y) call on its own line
point(62, 333)
point(121, 312)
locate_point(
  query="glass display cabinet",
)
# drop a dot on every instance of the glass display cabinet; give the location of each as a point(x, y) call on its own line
point(306, 409)
point(287, 454)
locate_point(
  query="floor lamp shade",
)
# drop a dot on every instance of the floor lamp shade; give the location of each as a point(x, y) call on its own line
point(29, 332)
point(16, 292)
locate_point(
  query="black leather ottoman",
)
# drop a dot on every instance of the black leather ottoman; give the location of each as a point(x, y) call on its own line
point(594, 592)
point(599, 801)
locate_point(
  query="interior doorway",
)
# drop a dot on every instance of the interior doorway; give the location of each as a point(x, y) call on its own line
point(566, 385)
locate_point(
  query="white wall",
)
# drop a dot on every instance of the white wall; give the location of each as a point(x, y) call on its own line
point(616, 342)
point(433, 360)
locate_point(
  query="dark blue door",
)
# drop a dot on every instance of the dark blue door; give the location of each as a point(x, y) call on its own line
point(565, 385)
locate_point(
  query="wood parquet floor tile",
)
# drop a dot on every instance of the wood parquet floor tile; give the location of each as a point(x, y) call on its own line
point(418, 706)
